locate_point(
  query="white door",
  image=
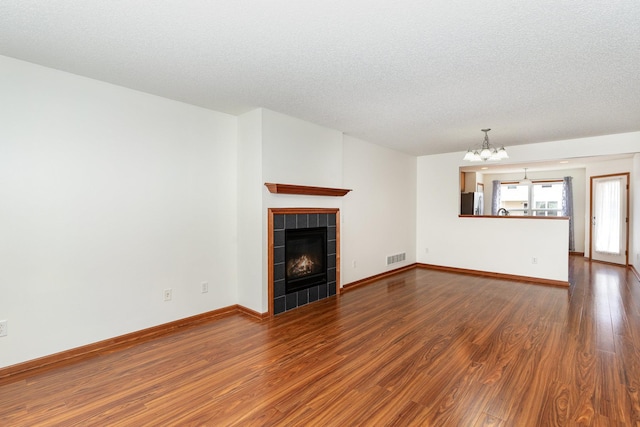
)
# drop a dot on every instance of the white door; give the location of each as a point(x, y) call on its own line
point(609, 226)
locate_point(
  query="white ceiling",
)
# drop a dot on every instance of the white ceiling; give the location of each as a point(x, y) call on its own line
point(417, 75)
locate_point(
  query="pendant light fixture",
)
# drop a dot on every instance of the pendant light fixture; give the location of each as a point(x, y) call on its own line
point(525, 180)
point(486, 151)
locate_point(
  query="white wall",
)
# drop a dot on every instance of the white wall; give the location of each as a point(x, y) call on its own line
point(580, 147)
point(250, 212)
point(379, 214)
point(634, 250)
point(301, 153)
point(383, 183)
point(487, 244)
point(579, 195)
point(107, 197)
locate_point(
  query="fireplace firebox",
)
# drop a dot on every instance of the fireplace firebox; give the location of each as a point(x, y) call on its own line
point(305, 258)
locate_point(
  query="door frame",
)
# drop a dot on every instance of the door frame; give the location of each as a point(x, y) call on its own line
point(626, 249)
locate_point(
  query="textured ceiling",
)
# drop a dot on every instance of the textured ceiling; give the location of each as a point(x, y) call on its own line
point(419, 76)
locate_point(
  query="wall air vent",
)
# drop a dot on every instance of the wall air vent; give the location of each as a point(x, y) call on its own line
point(392, 259)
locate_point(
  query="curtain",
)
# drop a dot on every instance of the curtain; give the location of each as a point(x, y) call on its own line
point(567, 208)
point(495, 197)
point(607, 216)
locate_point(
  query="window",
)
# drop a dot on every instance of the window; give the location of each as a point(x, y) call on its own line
point(536, 199)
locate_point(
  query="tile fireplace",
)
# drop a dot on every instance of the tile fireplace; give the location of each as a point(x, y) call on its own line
point(303, 256)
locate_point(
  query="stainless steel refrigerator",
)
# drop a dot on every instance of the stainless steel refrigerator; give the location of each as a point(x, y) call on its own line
point(471, 204)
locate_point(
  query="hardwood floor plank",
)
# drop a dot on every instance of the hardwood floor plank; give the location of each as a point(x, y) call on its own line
point(486, 420)
point(556, 407)
point(422, 347)
point(628, 358)
point(609, 398)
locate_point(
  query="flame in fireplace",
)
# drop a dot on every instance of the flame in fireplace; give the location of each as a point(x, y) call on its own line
point(300, 266)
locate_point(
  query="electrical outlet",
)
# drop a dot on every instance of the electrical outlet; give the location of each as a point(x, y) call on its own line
point(168, 294)
point(204, 287)
point(534, 260)
point(4, 324)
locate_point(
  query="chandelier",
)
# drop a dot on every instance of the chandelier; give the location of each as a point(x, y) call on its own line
point(525, 180)
point(486, 151)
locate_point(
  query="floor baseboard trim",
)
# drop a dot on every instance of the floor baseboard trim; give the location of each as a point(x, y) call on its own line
point(502, 276)
point(244, 310)
point(371, 279)
point(21, 370)
point(634, 271)
point(512, 277)
point(615, 264)
point(30, 367)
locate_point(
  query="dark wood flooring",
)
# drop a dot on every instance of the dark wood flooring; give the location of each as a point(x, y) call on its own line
point(422, 348)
